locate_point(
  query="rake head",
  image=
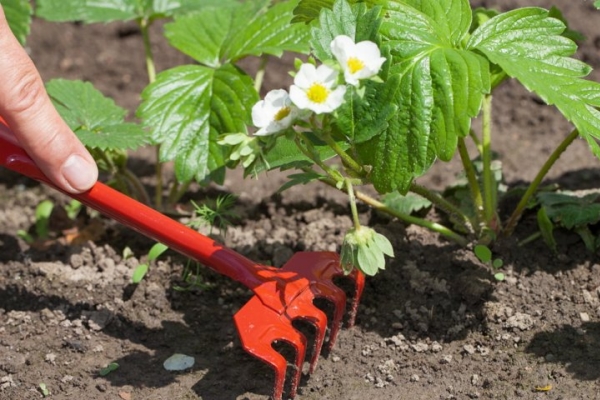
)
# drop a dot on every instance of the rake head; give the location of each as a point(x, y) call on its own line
point(286, 296)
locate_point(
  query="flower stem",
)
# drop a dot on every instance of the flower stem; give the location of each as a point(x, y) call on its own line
point(432, 226)
point(518, 212)
point(352, 199)
point(346, 159)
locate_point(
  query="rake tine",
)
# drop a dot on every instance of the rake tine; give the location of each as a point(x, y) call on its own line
point(359, 285)
point(329, 291)
point(303, 308)
point(257, 339)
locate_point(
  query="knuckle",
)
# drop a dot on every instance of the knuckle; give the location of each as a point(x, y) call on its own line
point(27, 94)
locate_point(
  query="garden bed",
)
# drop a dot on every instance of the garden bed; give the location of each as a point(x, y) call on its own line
point(434, 325)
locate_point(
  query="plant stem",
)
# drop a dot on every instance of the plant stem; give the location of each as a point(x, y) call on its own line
point(352, 199)
point(151, 68)
point(346, 159)
point(476, 197)
point(486, 157)
point(432, 226)
point(518, 212)
point(260, 74)
point(137, 185)
point(444, 205)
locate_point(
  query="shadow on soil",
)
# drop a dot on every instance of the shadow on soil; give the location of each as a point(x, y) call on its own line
point(576, 348)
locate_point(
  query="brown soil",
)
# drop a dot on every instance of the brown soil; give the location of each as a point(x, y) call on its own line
point(434, 325)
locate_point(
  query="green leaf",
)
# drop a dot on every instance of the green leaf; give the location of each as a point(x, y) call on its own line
point(300, 179)
point(528, 44)
point(497, 263)
point(356, 21)
point(546, 228)
point(308, 10)
point(571, 210)
point(18, 15)
point(97, 120)
point(360, 118)
point(218, 35)
point(440, 89)
point(109, 368)
point(156, 251)
point(118, 10)
point(139, 273)
point(499, 276)
point(286, 155)
point(405, 204)
point(42, 218)
point(188, 107)
point(340, 20)
point(597, 4)
point(483, 253)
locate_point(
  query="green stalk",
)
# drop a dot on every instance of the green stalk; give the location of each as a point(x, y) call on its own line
point(432, 226)
point(137, 185)
point(151, 69)
point(352, 199)
point(260, 74)
point(486, 156)
point(346, 159)
point(533, 186)
point(469, 169)
point(443, 205)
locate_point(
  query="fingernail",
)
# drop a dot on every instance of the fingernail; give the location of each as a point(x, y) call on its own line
point(79, 173)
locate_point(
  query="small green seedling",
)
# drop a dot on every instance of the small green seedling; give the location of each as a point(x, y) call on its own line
point(42, 222)
point(44, 389)
point(220, 216)
point(484, 254)
point(142, 269)
point(109, 368)
point(73, 208)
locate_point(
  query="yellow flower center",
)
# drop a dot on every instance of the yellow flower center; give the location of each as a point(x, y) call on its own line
point(317, 93)
point(354, 65)
point(282, 113)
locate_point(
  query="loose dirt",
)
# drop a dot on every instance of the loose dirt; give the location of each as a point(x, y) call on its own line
point(434, 325)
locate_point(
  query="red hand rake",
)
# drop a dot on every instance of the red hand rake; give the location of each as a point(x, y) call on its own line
point(281, 295)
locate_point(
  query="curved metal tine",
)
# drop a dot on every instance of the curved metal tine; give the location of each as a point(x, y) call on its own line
point(302, 307)
point(260, 326)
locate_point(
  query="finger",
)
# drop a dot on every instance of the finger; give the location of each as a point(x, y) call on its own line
point(42, 133)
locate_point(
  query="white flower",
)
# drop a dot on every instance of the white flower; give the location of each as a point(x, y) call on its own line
point(358, 60)
point(315, 89)
point(273, 114)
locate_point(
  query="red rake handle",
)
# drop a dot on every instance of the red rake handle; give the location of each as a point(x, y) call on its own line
point(144, 219)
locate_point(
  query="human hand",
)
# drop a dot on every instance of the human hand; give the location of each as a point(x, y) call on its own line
point(27, 109)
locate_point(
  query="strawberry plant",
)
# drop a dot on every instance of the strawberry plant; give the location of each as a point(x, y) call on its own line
point(385, 87)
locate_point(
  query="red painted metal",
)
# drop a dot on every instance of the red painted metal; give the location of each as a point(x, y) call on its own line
point(281, 295)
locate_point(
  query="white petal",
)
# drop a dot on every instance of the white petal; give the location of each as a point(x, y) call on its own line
point(341, 46)
point(298, 97)
point(336, 98)
point(277, 98)
point(305, 77)
point(326, 75)
point(260, 114)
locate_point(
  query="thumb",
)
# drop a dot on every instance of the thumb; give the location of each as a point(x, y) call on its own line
point(40, 130)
